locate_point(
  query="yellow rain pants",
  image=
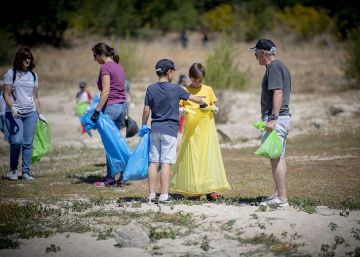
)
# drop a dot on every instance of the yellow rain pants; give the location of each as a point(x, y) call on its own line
point(199, 168)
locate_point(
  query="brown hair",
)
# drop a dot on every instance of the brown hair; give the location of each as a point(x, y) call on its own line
point(197, 71)
point(104, 49)
point(21, 55)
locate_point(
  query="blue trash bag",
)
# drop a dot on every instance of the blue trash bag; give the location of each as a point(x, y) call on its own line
point(94, 101)
point(117, 150)
point(137, 167)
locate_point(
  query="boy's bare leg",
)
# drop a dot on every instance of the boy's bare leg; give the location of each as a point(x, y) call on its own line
point(152, 172)
point(165, 178)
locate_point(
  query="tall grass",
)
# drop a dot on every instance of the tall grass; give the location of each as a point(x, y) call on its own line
point(130, 57)
point(221, 67)
point(352, 59)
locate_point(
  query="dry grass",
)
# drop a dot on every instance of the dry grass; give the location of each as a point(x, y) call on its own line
point(314, 67)
point(327, 173)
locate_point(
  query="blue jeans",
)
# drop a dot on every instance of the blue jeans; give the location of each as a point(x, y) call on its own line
point(117, 113)
point(21, 135)
point(3, 127)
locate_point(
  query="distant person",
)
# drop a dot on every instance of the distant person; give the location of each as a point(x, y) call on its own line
point(199, 169)
point(3, 128)
point(111, 83)
point(184, 39)
point(275, 98)
point(22, 111)
point(205, 38)
point(83, 102)
point(162, 101)
point(129, 98)
point(183, 81)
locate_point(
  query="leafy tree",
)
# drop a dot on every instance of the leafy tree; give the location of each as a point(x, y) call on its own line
point(106, 17)
point(32, 22)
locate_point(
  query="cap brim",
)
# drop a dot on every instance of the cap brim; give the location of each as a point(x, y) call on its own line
point(177, 69)
point(252, 49)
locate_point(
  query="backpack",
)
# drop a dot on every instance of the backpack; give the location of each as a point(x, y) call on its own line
point(14, 78)
point(14, 75)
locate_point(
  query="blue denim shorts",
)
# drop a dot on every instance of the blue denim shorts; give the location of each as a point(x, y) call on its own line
point(282, 129)
point(117, 113)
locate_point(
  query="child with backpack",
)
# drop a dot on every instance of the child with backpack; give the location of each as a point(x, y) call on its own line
point(162, 101)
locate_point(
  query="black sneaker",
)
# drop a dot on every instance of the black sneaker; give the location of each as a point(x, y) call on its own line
point(167, 201)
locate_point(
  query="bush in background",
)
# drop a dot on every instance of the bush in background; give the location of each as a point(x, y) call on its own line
point(305, 21)
point(352, 59)
point(129, 57)
point(222, 73)
point(253, 18)
point(221, 67)
point(247, 19)
point(221, 18)
point(7, 48)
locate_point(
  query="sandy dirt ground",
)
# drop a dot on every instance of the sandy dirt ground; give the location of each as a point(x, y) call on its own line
point(307, 233)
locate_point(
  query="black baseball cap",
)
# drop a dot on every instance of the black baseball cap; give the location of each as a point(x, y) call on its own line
point(264, 44)
point(82, 84)
point(163, 65)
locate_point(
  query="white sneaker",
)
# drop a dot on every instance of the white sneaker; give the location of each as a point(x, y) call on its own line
point(12, 175)
point(270, 197)
point(151, 198)
point(167, 200)
point(276, 201)
point(26, 176)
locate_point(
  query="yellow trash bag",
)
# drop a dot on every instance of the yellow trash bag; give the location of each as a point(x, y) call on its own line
point(199, 168)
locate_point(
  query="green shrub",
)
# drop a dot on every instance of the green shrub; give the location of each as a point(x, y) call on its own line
point(221, 18)
point(183, 16)
point(129, 57)
point(305, 21)
point(352, 59)
point(7, 47)
point(253, 18)
point(221, 67)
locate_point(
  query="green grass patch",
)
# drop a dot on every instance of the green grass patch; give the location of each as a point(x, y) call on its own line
point(156, 234)
point(306, 204)
point(272, 244)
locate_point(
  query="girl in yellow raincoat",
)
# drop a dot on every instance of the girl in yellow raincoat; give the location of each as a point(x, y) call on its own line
point(199, 169)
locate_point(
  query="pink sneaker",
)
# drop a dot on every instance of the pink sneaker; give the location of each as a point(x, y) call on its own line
point(106, 182)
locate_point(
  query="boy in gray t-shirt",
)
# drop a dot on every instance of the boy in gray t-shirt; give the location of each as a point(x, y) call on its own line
point(162, 101)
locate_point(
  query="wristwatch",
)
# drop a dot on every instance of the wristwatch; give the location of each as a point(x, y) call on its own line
point(273, 117)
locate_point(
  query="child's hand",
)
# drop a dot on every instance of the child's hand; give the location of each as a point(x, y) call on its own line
point(206, 109)
point(182, 111)
point(143, 130)
point(215, 109)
